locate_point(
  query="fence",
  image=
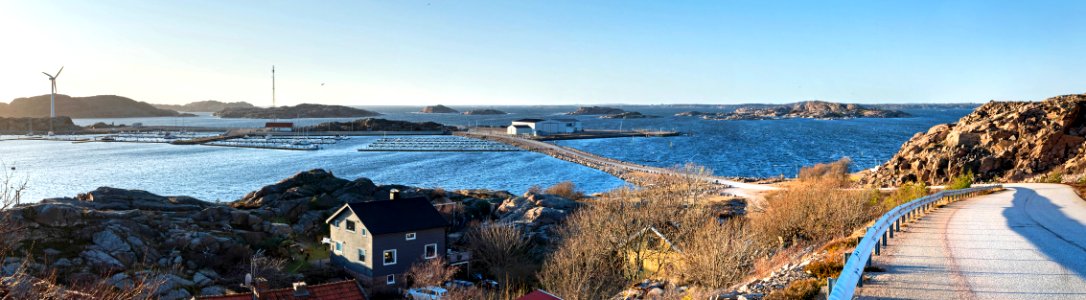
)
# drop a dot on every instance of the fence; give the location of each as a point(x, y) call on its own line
point(878, 234)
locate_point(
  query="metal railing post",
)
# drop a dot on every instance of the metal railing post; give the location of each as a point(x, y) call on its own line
point(830, 282)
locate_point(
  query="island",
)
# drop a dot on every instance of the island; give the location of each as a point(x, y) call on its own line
point(37, 125)
point(297, 111)
point(371, 124)
point(485, 112)
point(800, 110)
point(204, 106)
point(628, 115)
point(438, 109)
point(596, 110)
point(101, 106)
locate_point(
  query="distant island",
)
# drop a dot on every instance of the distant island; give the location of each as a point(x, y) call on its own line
point(438, 109)
point(204, 106)
point(596, 110)
point(101, 106)
point(475, 112)
point(628, 115)
point(799, 110)
point(298, 111)
point(371, 124)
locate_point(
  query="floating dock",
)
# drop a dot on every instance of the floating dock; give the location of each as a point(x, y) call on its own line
point(437, 144)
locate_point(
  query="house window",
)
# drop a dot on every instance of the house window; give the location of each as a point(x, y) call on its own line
point(390, 279)
point(363, 231)
point(411, 236)
point(339, 247)
point(350, 226)
point(390, 257)
point(362, 255)
point(430, 251)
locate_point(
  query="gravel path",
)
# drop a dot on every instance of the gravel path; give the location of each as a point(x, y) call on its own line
point(1028, 242)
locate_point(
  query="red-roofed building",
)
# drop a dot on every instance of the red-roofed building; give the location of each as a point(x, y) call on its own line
point(279, 126)
point(539, 295)
point(343, 290)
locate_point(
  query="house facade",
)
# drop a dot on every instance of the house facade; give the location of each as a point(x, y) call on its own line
point(378, 241)
point(537, 127)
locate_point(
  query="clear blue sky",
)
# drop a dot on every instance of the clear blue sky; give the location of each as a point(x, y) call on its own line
point(546, 52)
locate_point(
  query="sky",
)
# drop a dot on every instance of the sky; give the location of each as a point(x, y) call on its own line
point(545, 52)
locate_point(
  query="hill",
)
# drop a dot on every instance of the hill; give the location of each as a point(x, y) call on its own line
point(998, 141)
point(102, 106)
point(297, 111)
point(204, 106)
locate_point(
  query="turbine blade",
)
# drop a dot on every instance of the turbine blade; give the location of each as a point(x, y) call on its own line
point(58, 72)
point(47, 74)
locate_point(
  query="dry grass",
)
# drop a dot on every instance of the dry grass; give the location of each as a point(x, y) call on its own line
point(565, 189)
point(797, 290)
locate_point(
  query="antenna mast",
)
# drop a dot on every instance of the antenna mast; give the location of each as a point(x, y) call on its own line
point(273, 85)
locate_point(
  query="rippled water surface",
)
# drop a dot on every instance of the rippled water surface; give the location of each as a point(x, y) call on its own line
point(730, 148)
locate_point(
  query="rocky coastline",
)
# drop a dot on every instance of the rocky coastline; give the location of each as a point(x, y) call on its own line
point(596, 110)
point(438, 109)
point(999, 141)
point(628, 115)
point(101, 106)
point(374, 124)
point(483, 112)
point(193, 247)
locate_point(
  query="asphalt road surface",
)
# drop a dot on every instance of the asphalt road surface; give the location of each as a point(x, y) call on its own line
point(1028, 242)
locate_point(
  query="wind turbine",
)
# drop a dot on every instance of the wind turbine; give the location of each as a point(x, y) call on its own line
point(52, 97)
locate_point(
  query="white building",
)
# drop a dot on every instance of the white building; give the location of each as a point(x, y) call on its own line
point(544, 127)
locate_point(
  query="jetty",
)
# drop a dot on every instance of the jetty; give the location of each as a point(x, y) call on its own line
point(618, 168)
point(437, 144)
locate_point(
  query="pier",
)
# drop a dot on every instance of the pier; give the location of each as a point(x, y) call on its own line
point(437, 144)
point(618, 168)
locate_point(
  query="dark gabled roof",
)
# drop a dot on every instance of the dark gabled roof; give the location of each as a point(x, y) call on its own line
point(529, 120)
point(400, 215)
point(343, 290)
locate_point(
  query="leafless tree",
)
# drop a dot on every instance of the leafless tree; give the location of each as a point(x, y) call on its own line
point(430, 272)
point(503, 250)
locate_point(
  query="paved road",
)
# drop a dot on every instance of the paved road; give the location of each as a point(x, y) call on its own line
point(742, 189)
point(1028, 242)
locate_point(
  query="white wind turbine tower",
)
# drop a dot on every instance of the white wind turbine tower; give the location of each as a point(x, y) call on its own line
point(52, 98)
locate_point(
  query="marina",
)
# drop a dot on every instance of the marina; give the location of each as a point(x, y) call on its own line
point(437, 144)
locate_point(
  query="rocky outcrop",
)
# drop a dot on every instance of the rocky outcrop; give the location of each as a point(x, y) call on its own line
point(102, 106)
point(371, 124)
point(536, 214)
point(38, 125)
point(478, 112)
point(628, 115)
point(999, 141)
point(298, 111)
point(596, 110)
point(205, 106)
point(438, 109)
point(799, 110)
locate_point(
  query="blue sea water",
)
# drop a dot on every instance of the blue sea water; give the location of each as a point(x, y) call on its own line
point(729, 148)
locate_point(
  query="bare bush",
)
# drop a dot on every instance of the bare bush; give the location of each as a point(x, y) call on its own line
point(503, 251)
point(430, 272)
point(832, 174)
point(813, 212)
point(719, 255)
point(565, 189)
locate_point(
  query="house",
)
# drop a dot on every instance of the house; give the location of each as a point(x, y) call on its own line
point(342, 290)
point(378, 241)
point(279, 126)
point(537, 127)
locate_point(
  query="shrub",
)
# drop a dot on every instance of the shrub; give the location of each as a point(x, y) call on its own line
point(565, 189)
point(833, 174)
point(800, 289)
point(813, 212)
point(1054, 177)
point(825, 268)
point(963, 181)
point(905, 193)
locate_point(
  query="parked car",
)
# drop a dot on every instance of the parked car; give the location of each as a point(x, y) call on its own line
point(426, 293)
point(456, 284)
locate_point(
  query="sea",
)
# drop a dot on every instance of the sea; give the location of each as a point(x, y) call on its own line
point(763, 148)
